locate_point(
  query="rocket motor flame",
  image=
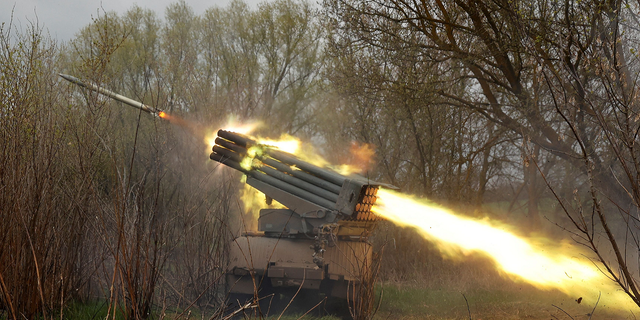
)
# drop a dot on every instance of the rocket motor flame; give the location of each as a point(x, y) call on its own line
point(544, 265)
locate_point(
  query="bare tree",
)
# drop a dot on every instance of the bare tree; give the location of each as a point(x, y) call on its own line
point(43, 202)
point(561, 75)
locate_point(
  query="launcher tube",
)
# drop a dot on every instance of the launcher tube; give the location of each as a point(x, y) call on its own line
point(242, 141)
point(274, 182)
point(301, 175)
point(236, 138)
point(317, 171)
point(231, 146)
point(227, 153)
point(292, 189)
point(227, 162)
point(300, 184)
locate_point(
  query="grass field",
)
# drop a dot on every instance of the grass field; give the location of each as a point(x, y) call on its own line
point(409, 301)
point(440, 289)
point(469, 289)
point(512, 302)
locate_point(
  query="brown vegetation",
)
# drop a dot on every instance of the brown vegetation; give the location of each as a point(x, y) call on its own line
point(42, 190)
point(101, 202)
point(492, 92)
point(526, 106)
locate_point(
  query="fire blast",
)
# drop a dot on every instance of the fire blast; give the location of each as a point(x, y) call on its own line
point(542, 264)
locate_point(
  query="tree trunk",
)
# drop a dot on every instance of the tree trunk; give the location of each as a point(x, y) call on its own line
point(531, 176)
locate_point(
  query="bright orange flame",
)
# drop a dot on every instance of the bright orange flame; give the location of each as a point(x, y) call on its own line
point(286, 143)
point(241, 128)
point(253, 201)
point(162, 114)
point(359, 160)
point(547, 266)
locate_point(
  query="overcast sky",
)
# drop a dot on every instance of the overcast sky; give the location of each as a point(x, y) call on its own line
point(63, 18)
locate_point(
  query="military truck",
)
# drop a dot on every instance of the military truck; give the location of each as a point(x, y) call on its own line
point(317, 245)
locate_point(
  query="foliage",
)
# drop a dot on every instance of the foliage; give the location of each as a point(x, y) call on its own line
point(43, 202)
point(467, 103)
point(131, 208)
point(558, 78)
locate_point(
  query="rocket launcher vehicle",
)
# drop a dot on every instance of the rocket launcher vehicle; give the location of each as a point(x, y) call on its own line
point(313, 196)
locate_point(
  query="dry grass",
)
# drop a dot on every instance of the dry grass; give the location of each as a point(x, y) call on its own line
point(474, 290)
point(420, 284)
point(513, 302)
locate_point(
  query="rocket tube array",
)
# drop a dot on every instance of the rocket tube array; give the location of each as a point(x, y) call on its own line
point(288, 173)
point(305, 180)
